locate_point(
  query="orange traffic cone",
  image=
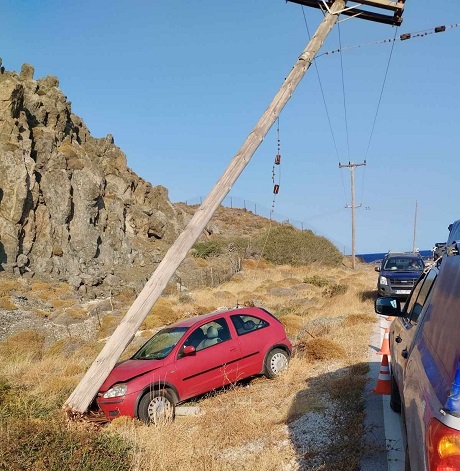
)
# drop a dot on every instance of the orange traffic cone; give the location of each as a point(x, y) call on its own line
point(385, 348)
point(384, 379)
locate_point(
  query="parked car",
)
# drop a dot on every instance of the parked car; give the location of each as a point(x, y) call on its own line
point(425, 366)
point(398, 273)
point(192, 357)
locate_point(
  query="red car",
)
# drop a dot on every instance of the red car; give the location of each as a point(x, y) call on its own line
point(192, 357)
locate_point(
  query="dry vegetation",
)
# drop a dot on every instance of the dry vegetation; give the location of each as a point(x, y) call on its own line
point(309, 418)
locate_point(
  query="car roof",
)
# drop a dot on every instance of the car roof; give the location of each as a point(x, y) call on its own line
point(189, 322)
point(403, 254)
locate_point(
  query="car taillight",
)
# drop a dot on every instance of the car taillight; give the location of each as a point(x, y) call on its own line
point(443, 447)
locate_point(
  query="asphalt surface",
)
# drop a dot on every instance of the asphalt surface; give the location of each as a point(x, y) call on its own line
point(383, 442)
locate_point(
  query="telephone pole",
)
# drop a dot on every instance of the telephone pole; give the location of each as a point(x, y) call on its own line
point(88, 387)
point(86, 390)
point(352, 167)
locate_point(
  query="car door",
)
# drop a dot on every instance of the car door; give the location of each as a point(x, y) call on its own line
point(212, 365)
point(254, 338)
point(403, 329)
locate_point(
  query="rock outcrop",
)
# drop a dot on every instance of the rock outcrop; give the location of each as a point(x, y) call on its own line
point(70, 207)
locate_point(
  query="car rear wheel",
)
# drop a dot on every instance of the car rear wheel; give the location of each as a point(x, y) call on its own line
point(395, 398)
point(276, 362)
point(157, 407)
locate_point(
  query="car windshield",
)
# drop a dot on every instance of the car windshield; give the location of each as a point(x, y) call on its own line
point(403, 263)
point(161, 344)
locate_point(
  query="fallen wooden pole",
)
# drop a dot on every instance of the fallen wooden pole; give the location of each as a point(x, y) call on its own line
point(86, 390)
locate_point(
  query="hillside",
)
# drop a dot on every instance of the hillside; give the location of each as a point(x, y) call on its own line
point(72, 211)
point(70, 208)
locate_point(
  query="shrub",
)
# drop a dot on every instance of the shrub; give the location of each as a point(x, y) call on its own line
point(52, 445)
point(316, 280)
point(212, 248)
point(288, 245)
point(321, 349)
point(335, 290)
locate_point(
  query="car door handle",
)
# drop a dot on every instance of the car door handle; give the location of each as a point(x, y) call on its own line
point(233, 349)
point(405, 354)
point(398, 339)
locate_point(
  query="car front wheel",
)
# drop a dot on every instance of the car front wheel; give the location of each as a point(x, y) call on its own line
point(157, 407)
point(276, 362)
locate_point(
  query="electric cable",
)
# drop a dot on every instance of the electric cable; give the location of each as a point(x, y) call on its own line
point(377, 110)
point(344, 96)
point(402, 37)
point(325, 107)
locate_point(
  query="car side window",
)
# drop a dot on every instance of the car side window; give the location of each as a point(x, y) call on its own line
point(418, 300)
point(245, 324)
point(209, 334)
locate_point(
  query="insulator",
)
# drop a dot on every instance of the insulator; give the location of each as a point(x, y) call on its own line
point(276, 188)
point(277, 159)
point(439, 29)
point(405, 36)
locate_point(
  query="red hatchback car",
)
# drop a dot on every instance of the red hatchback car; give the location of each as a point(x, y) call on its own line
point(192, 357)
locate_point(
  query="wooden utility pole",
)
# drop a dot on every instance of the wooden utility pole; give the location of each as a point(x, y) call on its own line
point(352, 167)
point(88, 387)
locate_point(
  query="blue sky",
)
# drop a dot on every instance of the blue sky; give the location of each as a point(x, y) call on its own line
point(181, 84)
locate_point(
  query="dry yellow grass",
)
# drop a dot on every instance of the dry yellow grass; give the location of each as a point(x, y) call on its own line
point(248, 426)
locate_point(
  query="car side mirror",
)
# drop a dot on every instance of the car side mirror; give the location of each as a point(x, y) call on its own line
point(189, 350)
point(388, 307)
point(377, 268)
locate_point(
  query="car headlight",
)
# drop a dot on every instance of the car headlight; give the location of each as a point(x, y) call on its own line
point(383, 281)
point(115, 391)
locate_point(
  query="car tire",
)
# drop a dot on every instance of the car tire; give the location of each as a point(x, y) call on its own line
point(157, 407)
point(395, 397)
point(275, 363)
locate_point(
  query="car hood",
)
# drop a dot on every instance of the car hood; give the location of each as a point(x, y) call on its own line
point(129, 369)
point(401, 274)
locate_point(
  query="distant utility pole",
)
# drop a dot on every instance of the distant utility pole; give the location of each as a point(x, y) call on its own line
point(414, 246)
point(352, 167)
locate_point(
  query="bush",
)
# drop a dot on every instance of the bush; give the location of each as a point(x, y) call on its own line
point(286, 245)
point(52, 445)
point(316, 280)
point(335, 290)
point(239, 246)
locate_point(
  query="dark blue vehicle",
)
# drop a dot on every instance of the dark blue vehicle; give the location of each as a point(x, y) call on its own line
point(399, 272)
point(425, 364)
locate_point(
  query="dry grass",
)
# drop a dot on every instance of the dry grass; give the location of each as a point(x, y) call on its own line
point(249, 426)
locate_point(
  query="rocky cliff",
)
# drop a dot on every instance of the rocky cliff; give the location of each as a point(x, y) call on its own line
point(70, 208)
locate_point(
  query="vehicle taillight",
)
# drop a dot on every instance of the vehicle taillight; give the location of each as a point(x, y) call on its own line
point(443, 447)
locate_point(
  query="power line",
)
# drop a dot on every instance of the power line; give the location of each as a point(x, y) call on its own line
point(377, 110)
point(326, 108)
point(344, 96)
point(402, 37)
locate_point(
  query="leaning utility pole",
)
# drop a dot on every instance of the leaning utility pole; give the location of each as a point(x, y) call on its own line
point(88, 387)
point(352, 167)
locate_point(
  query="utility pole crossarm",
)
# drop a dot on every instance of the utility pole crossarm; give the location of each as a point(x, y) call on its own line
point(86, 390)
point(364, 14)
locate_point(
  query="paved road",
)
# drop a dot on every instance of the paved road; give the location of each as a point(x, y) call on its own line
point(384, 448)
